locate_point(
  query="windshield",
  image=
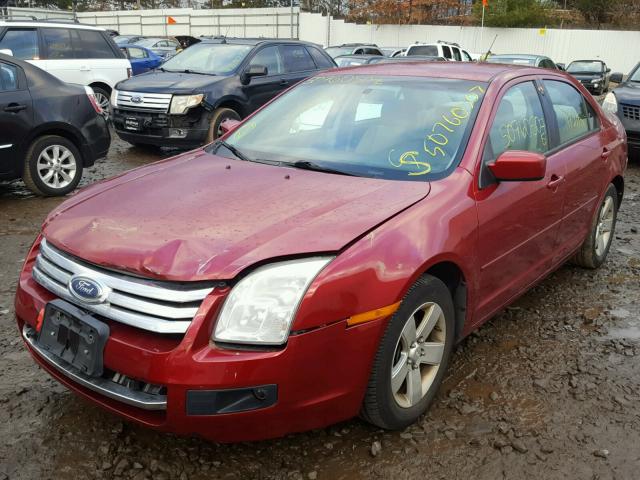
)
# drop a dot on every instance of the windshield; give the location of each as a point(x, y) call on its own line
point(348, 61)
point(209, 58)
point(635, 75)
point(512, 60)
point(337, 51)
point(400, 128)
point(428, 50)
point(585, 67)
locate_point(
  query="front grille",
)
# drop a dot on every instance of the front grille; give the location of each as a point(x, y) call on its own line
point(161, 307)
point(631, 112)
point(145, 102)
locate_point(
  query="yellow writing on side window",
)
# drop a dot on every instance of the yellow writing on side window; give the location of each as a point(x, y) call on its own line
point(434, 141)
point(524, 129)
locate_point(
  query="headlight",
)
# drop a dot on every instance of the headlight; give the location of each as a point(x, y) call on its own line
point(114, 98)
point(610, 104)
point(261, 307)
point(595, 80)
point(181, 103)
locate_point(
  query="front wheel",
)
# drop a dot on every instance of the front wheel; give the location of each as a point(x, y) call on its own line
point(52, 167)
point(596, 246)
point(412, 357)
point(219, 116)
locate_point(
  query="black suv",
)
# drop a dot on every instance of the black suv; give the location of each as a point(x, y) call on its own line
point(183, 103)
point(49, 130)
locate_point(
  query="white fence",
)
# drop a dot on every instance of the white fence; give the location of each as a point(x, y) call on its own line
point(246, 22)
point(16, 13)
point(619, 49)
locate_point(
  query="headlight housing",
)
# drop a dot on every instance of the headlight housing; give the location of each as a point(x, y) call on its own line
point(114, 98)
point(610, 104)
point(261, 307)
point(181, 103)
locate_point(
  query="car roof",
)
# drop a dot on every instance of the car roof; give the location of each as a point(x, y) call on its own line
point(358, 56)
point(36, 23)
point(523, 56)
point(594, 60)
point(253, 41)
point(479, 72)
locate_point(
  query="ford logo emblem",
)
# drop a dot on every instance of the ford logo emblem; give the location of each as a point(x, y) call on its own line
point(136, 99)
point(87, 289)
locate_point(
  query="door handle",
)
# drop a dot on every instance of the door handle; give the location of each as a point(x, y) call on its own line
point(14, 108)
point(555, 182)
point(284, 82)
point(84, 68)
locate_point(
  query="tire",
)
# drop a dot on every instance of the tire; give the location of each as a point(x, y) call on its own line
point(398, 409)
point(219, 116)
point(35, 166)
point(103, 98)
point(595, 248)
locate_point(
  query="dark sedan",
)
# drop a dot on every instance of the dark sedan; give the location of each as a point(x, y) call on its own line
point(49, 130)
point(593, 74)
point(625, 102)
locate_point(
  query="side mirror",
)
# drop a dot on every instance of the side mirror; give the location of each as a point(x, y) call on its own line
point(519, 166)
point(616, 77)
point(6, 51)
point(561, 66)
point(608, 70)
point(254, 71)
point(229, 125)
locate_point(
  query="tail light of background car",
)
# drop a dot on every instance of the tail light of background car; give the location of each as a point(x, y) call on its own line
point(92, 98)
point(129, 72)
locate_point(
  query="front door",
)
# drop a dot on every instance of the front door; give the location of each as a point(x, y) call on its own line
point(262, 89)
point(16, 115)
point(518, 220)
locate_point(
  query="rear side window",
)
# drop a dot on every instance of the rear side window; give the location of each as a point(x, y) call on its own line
point(58, 42)
point(8, 77)
point(137, 53)
point(446, 52)
point(574, 115)
point(428, 50)
point(270, 58)
point(372, 51)
point(91, 44)
point(321, 60)
point(456, 54)
point(296, 58)
point(519, 123)
point(22, 42)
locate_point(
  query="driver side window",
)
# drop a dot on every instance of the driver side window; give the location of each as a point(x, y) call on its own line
point(519, 124)
point(270, 58)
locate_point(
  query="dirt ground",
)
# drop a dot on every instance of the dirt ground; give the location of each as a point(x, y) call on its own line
point(548, 389)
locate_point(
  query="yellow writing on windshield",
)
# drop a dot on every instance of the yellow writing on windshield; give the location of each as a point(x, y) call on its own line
point(410, 159)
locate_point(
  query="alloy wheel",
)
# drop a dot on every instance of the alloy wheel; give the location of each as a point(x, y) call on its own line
point(103, 101)
point(604, 226)
point(56, 166)
point(418, 354)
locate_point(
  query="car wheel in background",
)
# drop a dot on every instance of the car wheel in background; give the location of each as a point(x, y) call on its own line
point(103, 99)
point(219, 116)
point(596, 246)
point(412, 357)
point(53, 166)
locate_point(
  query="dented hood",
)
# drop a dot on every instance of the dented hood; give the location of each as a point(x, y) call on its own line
point(203, 217)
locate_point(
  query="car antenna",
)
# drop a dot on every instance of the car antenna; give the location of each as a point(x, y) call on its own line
point(486, 55)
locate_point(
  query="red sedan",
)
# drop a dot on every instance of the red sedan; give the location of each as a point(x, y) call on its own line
point(323, 258)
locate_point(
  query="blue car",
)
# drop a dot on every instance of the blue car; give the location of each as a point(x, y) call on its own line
point(142, 59)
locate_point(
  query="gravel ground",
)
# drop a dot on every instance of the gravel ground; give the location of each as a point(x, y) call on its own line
point(548, 389)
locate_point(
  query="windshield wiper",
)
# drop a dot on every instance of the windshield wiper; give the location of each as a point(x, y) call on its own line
point(237, 153)
point(306, 165)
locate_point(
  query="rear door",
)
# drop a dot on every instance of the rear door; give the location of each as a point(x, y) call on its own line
point(16, 116)
point(519, 221)
point(61, 59)
point(584, 150)
point(105, 63)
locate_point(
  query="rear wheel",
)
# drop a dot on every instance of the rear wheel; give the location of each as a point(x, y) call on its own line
point(596, 246)
point(53, 166)
point(412, 357)
point(219, 116)
point(103, 99)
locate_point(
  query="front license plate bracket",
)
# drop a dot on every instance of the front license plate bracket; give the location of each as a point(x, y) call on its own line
point(75, 336)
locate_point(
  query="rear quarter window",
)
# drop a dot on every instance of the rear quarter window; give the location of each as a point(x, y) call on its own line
point(428, 50)
point(319, 58)
point(296, 58)
point(91, 44)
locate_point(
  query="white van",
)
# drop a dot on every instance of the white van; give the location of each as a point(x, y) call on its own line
point(451, 51)
point(72, 52)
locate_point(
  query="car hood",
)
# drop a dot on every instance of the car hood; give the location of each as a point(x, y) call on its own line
point(169, 82)
point(203, 217)
point(628, 93)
